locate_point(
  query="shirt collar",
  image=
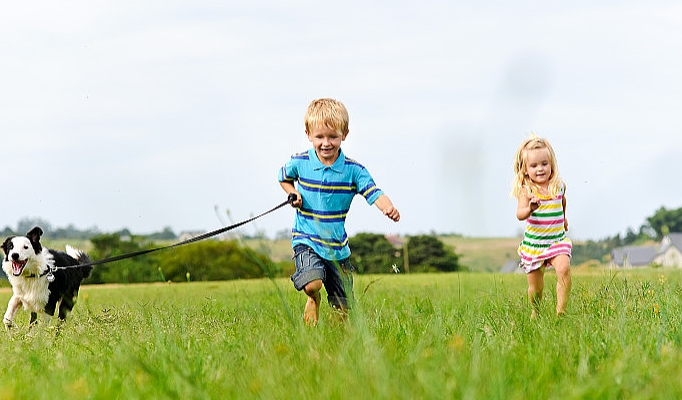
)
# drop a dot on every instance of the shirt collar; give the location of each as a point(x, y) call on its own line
point(336, 167)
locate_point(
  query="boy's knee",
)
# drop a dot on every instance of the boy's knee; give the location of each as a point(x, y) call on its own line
point(312, 288)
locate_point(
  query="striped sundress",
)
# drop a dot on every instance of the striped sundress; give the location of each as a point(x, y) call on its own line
point(545, 237)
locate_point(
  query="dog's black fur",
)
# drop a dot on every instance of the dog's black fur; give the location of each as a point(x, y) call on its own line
point(27, 265)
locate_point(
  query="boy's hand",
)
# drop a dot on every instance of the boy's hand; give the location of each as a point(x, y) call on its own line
point(392, 213)
point(386, 206)
point(299, 200)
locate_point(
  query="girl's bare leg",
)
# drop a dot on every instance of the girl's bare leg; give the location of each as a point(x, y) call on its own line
point(562, 266)
point(536, 284)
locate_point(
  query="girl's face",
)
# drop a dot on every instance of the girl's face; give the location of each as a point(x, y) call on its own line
point(326, 143)
point(538, 165)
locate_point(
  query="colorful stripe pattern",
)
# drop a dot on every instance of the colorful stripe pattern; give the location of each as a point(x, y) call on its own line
point(545, 237)
point(327, 193)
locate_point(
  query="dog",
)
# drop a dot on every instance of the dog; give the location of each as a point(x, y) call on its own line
point(43, 280)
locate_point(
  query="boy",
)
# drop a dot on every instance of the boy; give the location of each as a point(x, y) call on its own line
point(327, 183)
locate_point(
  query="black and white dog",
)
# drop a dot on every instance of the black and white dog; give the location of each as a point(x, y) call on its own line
point(42, 280)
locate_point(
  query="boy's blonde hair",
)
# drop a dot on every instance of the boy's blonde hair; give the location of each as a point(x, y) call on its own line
point(522, 183)
point(327, 112)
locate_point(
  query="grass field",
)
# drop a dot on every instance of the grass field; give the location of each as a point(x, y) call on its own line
point(430, 336)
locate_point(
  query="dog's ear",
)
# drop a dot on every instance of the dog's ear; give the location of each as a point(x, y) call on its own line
point(34, 236)
point(7, 246)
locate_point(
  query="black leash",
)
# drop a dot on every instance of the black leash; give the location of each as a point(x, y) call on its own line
point(290, 199)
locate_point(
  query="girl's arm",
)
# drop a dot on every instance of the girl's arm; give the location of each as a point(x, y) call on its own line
point(526, 205)
point(386, 207)
point(563, 204)
point(290, 188)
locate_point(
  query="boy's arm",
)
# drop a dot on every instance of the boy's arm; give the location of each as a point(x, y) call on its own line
point(386, 207)
point(290, 188)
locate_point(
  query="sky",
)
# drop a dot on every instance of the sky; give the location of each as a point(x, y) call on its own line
point(146, 115)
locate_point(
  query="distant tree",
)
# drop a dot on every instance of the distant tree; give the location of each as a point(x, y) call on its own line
point(590, 250)
point(166, 234)
point(71, 232)
point(135, 269)
point(204, 261)
point(26, 224)
point(214, 260)
point(373, 254)
point(665, 221)
point(427, 253)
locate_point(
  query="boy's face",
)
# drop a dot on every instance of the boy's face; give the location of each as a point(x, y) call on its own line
point(326, 143)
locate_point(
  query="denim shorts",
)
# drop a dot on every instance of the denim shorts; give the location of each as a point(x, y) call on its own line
point(336, 276)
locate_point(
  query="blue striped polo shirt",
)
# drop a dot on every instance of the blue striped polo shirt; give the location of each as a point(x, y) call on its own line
point(327, 193)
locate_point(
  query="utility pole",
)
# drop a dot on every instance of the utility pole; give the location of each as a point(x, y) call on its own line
point(406, 259)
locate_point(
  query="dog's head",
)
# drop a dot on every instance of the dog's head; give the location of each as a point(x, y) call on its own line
point(20, 249)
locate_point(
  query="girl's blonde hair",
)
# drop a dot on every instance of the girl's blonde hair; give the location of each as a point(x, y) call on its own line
point(327, 112)
point(522, 183)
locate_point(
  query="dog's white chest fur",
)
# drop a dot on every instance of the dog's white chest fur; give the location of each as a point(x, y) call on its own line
point(33, 291)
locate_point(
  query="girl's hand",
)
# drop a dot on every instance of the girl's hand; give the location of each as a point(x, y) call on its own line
point(534, 203)
point(566, 224)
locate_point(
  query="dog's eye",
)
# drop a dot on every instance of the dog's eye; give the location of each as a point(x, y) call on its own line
point(25, 247)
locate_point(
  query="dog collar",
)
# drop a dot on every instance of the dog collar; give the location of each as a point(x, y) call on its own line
point(38, 276)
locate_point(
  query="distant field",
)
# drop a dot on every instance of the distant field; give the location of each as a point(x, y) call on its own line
point(483, 254)
point(277, 250)
point(60, 244)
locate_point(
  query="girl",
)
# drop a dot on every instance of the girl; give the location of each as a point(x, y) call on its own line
point(542, 204)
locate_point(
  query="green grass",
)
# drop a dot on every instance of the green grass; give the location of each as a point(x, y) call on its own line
point(427, 336)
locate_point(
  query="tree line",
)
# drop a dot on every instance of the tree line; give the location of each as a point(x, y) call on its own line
point(371, 253)
point(227, 259)
point(215, 259)
point(661, 223)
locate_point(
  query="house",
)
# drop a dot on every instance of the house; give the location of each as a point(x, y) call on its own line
point(511, 267)
point(633, 256)
point(670, 253)
point(666, 254)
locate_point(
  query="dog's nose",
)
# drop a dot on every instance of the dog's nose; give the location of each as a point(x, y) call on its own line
point(15, 256)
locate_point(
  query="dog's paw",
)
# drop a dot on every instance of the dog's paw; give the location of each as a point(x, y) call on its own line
point(8, 323)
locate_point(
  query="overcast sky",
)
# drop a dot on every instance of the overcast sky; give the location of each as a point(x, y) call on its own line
point(144, 115)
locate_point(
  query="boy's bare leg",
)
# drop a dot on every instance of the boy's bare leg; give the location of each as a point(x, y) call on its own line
point(311, 313)
point(536, 284)
point(562, 266)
